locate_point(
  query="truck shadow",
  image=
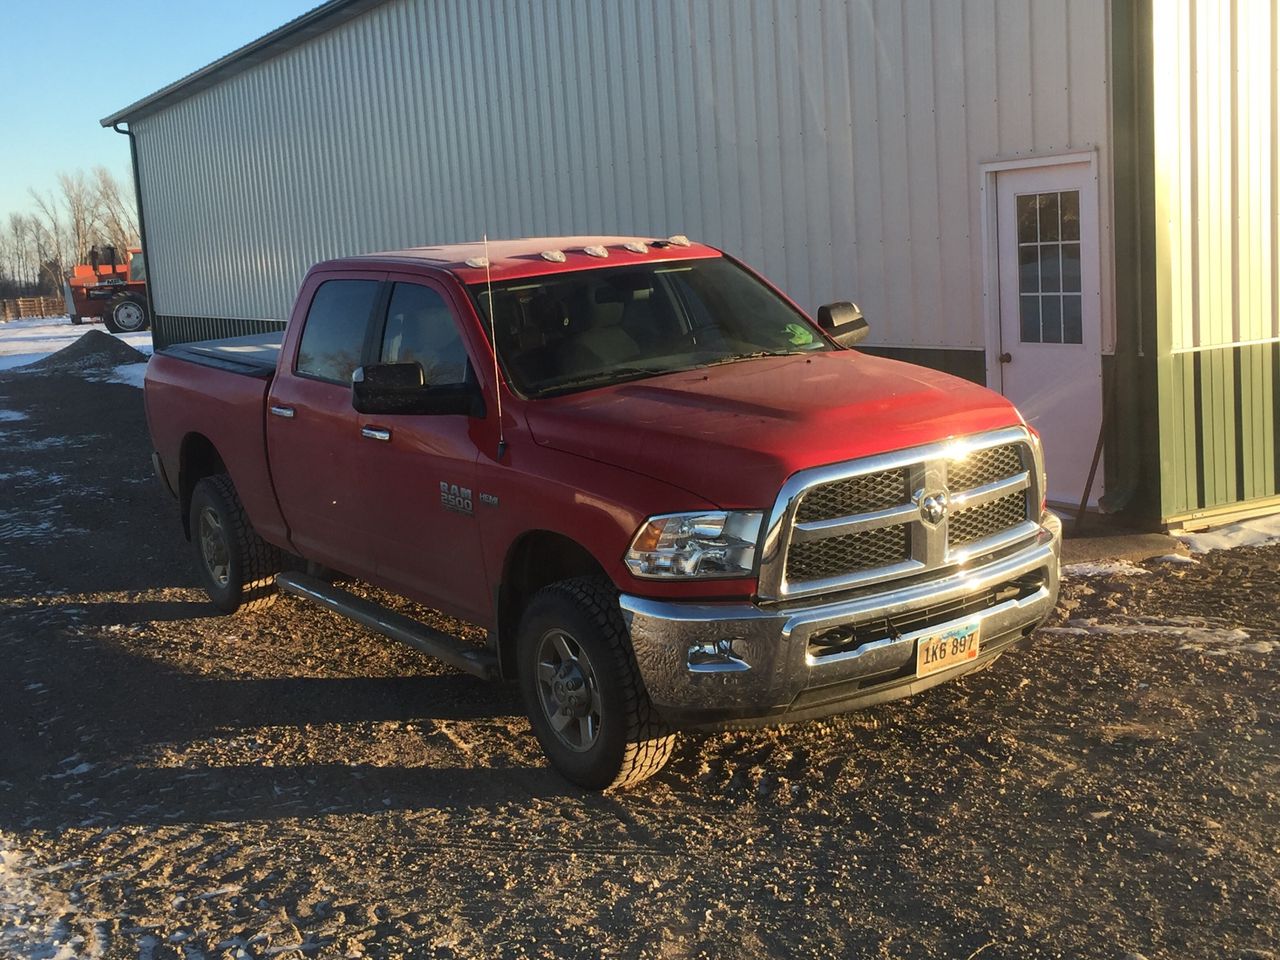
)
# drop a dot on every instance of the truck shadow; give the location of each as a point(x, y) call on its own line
point(92, 732)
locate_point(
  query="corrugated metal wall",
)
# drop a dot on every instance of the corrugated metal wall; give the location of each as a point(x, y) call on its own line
point(835, 145)
point(1216, 118)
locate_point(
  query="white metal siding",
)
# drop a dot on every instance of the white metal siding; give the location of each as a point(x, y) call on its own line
point(833, 145)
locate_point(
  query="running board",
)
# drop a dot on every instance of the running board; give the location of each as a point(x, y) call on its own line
point(455, 652)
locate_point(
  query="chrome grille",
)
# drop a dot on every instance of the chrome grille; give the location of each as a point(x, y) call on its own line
point(978, 523)
point(874, 520)
point(985, 466)
point(865, 550)
point(874, 491)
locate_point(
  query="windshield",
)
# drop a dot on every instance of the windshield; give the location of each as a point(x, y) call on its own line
point(137, 268)
point(571, 331)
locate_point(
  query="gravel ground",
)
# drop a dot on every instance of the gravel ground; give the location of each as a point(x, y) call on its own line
point(176, 784)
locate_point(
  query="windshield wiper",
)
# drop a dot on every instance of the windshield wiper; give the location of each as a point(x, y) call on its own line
point(751, 356)
point(616, 375)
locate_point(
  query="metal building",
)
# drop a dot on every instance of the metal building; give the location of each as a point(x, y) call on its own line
point(1073, 201)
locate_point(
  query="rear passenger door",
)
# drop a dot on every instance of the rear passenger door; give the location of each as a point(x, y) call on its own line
point(419, 471)
point(313, 433)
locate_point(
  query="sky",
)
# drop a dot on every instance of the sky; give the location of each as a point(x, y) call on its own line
point(57, 81)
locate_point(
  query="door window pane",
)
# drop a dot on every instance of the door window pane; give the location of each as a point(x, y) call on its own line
point(1049, 216)
point(333, 337)
point(1072, 330)
point(1070, 201)
point(420, 327)
point(1027, 230)
point(1051, 319)
point(1071, 267)
point(1050, 278)
point(1030, 319)
point(1028, 269)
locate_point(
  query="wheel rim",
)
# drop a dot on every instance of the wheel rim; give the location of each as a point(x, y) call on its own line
point(213, 547)
point(129, 316)
point(568, 691)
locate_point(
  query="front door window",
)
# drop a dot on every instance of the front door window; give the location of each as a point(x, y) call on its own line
point(1049, 267)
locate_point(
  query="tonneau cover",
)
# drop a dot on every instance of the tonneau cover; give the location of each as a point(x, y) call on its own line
point(254, 355)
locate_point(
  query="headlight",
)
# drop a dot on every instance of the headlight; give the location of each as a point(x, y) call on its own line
point(710, 544)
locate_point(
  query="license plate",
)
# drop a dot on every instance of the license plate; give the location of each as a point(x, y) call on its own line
point(950, 648)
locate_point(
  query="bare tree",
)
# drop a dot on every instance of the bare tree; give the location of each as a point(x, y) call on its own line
point(49, 240)
point(117, 216)
point(39, 249)
point(80, 206)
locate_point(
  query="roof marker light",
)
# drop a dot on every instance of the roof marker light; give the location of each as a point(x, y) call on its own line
point(553, 256)
point(477, 263)
point(600, 252)
point(635, 246)
point(678, 240)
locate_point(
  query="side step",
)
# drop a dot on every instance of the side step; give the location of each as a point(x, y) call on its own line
point(456, 653)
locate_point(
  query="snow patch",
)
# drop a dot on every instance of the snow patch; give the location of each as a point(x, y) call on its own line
point(1248, 533)
point(1104, 568)
point(1199, 634)
point(26, 341)
point(33, 917)
point(11, 416)
point(1176, 558)
point(130, 373)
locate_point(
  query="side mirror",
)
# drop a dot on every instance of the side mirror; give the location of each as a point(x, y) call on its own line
point(401, 388)
point(843, 322)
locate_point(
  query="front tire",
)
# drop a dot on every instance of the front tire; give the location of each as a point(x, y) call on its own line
point(237, 567)
point(127, 315)
point(582, 690)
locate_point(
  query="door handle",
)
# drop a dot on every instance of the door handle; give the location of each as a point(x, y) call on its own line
point(375, 433)
point(1006, 358)
point(286, 412)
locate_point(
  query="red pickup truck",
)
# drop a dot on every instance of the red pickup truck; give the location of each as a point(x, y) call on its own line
point(673, 500)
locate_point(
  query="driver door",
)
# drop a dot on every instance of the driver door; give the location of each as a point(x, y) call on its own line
point(418, 472)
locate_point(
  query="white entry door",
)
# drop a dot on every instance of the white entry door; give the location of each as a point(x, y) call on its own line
point(1050, 320)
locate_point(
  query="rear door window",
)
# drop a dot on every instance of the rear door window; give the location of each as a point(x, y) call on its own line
point(333, 338)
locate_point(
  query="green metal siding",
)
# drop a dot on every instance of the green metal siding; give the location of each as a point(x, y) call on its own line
point(168, 330)
point(1217, 237)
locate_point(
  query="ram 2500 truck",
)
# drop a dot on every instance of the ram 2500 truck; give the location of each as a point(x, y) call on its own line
point(673, 500)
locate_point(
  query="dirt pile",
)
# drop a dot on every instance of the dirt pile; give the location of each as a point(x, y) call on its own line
point(94, 351)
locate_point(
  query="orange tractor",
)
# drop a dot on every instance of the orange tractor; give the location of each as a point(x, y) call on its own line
point(116, 292)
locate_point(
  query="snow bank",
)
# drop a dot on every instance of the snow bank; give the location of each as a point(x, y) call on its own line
point(1248, 533)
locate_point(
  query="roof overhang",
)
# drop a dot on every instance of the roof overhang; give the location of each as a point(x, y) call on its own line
point(294, 33)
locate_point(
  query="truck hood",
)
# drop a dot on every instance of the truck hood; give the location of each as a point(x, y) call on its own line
point(731, 434)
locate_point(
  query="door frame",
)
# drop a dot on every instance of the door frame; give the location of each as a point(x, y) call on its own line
point(988, 203)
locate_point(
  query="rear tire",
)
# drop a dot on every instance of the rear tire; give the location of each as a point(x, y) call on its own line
point(583, 692)
point(237, 567)
point(127, 315)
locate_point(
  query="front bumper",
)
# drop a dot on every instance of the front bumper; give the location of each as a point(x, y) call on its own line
point(710, 665)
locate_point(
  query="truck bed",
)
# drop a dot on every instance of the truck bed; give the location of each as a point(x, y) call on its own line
point(253, 356)
point(215, 392)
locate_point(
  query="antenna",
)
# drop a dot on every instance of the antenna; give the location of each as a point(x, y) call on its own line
point(493, 342)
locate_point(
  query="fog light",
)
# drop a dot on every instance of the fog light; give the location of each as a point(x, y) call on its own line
point(716, 656)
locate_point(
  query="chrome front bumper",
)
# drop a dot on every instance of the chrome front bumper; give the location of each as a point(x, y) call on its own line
point(724, 664)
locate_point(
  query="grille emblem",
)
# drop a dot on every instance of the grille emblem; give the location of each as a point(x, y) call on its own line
point(933, 507)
